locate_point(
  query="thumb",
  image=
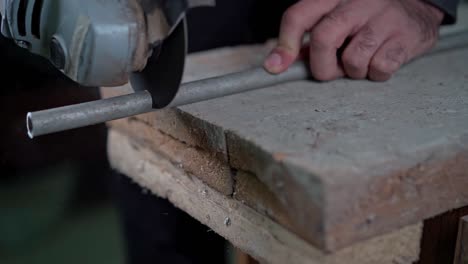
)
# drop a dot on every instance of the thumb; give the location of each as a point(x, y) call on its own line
point(280, 59)
point(298, 19)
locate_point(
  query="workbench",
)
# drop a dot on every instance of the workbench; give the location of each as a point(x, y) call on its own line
point(307, 172)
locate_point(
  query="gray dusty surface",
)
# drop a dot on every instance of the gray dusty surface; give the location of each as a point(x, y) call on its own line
point(348, 160)
point(363, 156)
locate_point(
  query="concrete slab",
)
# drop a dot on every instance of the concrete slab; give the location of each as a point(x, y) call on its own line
point(249, 190)
point(360, 157)
point(348, 160)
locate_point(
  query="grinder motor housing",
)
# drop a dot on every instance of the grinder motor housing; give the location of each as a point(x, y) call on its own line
point(104, 43)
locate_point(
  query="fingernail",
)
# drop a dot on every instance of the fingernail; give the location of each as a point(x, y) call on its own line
point(274, 61)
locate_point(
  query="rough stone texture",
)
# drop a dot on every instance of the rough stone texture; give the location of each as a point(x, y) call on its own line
point(366, 156)
point(249, 190)
point(211, 167)
point(248, 230)
point(180, 125)
point(348, 160)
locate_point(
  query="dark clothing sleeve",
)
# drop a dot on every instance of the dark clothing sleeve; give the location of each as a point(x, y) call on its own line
point(235, 22)
point(449, 7)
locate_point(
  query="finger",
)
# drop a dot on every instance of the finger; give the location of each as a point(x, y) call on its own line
point(298, 19)
point(362, 47)
point(388, 59)
point(332, 31)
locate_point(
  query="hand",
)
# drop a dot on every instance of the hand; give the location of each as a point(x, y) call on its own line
point(375, 37)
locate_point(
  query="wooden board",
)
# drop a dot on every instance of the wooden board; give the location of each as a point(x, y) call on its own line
point(247, 229)
point(461, 254)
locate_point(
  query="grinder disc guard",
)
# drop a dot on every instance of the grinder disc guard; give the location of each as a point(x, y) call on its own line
point(163, 73)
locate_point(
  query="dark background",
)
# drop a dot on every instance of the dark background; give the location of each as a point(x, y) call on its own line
point(59, 200)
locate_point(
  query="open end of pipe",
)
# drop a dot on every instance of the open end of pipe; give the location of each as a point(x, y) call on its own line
point(30, 126)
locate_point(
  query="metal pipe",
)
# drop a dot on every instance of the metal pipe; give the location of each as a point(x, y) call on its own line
point(450, 41)
point(240, 82)
point(91, 113)
point(86, 114)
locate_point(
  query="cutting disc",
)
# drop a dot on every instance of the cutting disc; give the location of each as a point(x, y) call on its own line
point(163, 73)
